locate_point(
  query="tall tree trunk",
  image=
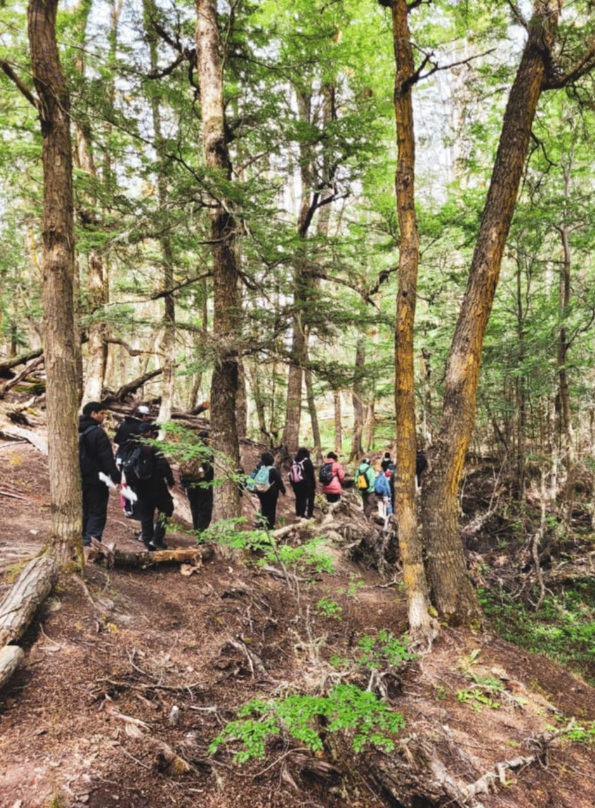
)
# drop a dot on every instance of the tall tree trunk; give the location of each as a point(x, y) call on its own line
point(453, 592)
point(520, 387)
point(357, 448)
point(97, 269)
point(226, 322)
point(338, 421)
point(313, 412)
point(168, 342)
point(406, 507)
point(242, 402)
point(60, 340)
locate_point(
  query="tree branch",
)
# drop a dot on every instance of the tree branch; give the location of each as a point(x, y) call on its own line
point(19, 83)
point(584, 65)
point(168, 292)
point(518, 14)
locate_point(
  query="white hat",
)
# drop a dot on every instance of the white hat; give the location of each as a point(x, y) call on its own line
point(143, 410)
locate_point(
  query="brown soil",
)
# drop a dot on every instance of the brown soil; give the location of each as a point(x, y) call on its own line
point(165, 643)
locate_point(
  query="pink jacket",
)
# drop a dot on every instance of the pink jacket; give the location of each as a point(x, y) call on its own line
point(334, 487)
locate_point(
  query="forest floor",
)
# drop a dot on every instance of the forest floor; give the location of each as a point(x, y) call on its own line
point(91, 720)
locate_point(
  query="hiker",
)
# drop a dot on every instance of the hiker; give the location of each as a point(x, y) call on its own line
point(265, 481)
point(387, 465)
point(383, 494)
point(195, 476)
point(302, 479)
point(96, 458)
point(364, 481)
point(331, 475)
point(130, 426)
point(421, 464)
point(150, 476)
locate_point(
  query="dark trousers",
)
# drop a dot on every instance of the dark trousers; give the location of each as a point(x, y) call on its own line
point(368, 499)
point(268, 509)
point(153, 530)
point(304, 501)
point(332, 497)
point(201, 505)
point(95, 499)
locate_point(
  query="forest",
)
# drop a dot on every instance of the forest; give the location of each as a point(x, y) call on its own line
point(297, 403)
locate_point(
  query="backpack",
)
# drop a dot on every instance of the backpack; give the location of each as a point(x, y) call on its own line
point(325, 475)
point(381, 486)
point(193, 469)
point(138, 464)
point(296, 472)
point(259, 484)
point(362, 478)
point(84, 458)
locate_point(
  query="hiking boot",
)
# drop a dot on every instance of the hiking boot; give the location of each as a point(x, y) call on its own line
point(160, 546)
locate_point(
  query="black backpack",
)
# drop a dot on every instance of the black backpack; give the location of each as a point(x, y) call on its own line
point(84, 459)
point(138, 463)
point(325, 475)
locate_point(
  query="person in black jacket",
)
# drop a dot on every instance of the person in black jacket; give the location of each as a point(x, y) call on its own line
point(131, 425)
point(303, 482)
point(421, 464)
point(196, 476)
point(151, 480)
point(268, 499)
point(95, 456)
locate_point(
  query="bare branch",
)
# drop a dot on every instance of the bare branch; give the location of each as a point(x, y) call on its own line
point(159, 74)
point(518, 14)
point(167, 292)
point(19, 83)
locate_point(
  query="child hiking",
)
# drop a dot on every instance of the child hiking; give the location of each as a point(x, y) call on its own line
point(330, 476)
point(302, 479)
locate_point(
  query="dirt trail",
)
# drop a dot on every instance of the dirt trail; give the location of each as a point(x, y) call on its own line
point(83, 720)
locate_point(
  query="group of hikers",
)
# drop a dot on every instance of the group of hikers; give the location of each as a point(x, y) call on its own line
point(145, 479)
point(142, 473)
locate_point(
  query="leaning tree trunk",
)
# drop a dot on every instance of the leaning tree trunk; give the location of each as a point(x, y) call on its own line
point(60, 342)
point(450, 583)
point(226, 324)
point(410, 544)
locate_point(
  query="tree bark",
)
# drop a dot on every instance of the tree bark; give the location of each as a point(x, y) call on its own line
point(97, 277)
point(453, 592)
point(338, 421)
point(10, 658)
point(357, 448)
point(60, 337)
point(313, 410)
point(410, 544)
point(168, 342)
point(226, 322)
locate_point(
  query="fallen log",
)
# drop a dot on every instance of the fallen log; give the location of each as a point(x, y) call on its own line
point(30, 590)
point(11, 657)
point(144, 559)
point(20, 376)
point(26, 434)
point(8, 364)
point(131, 387)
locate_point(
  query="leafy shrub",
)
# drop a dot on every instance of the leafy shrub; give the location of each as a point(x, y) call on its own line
point(346, 708)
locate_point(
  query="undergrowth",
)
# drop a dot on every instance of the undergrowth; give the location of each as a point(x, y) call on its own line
point(563, 629)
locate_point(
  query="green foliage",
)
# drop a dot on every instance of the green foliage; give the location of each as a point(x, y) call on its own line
point(329, 608)
point(563, 629)
point(384, 650)
point(360, 714)
point(477, 699)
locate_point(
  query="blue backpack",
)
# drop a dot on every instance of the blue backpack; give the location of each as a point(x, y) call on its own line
point(260, 483)
point(381, 485)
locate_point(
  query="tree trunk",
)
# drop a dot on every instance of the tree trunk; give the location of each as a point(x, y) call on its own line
point(242, 402)
point(226, 323)
point(60, 337)
point(338, 421)
point(451, 586)
point(520, 389)
point(168, 342)
point(357, 448)
point(313, 411)
point(410, 544)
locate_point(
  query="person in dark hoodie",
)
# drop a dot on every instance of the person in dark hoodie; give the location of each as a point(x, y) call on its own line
point(96, 457)
point(150, 476)
point(131, 425)
point(267, 484)
point(196, 477)
point(303, 481)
